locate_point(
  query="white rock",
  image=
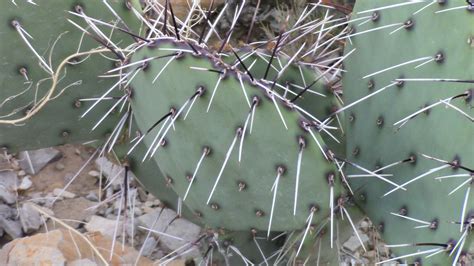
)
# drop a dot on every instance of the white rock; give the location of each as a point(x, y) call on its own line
point(64, 194)
point(26, 183)
point(94, 173)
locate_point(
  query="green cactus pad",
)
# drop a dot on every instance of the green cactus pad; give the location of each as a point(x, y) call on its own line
point(24, 82)
point(241, 247)
point(243, 192)
point(313, 248)
point(399, 45)
point(320, 100)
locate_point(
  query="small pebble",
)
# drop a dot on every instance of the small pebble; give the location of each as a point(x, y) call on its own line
point(21, 173)
point(63, 194)
point(92, 196)
point(59, 166)
point(364, 226)
point(25, 183)
point(94, 173)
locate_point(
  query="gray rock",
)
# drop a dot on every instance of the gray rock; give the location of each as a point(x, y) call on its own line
point(353, 244)
point(4, 162)
point(73, 211)
point(30, 219)
point(21, 173)
point(179, 228)
point(33, 161)
point(149, 246)
point(138, 212)
point(8, 186)
point(104, 226)
point(7, 211)
point(12, 228)
point(92, 196)
point(142, 194)
point(113, 172)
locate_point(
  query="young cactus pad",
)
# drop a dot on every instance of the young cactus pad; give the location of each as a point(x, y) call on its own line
point(409, 110)
point(235, 164)
point(48, 71)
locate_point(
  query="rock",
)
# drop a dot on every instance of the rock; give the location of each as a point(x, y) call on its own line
point(365, 225)
point(73, 211)
point(36, 250)
point(63, 247)
point(57, 192)
point(138, 212)
point(149, 246)
point(370, 254)
point(180, 228)
point(21, 173)
point(92, 196)
point(150, 197)
point(82, 262)
point(33, 161)
point(146, 209)
point(30, 218)
point(113, 172)
point(6, 211)
point(59, 166)
point(49, 199)
point(8, 185)
point(26, 183)
point(94, 173)
point(12, 228)
point(142, 194)
point(4, 161)
point(353, 243)
point(103, 225)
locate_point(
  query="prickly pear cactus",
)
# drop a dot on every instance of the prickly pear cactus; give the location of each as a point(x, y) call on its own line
point(409, 114)
point(49, 75)
point(242, 149)
point(223, 247)
point(321, 99)
point(231, 147)
point(310, 246)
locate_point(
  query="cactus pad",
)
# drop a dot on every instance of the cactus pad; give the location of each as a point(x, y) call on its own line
point(409, 108)
point(226, 191)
